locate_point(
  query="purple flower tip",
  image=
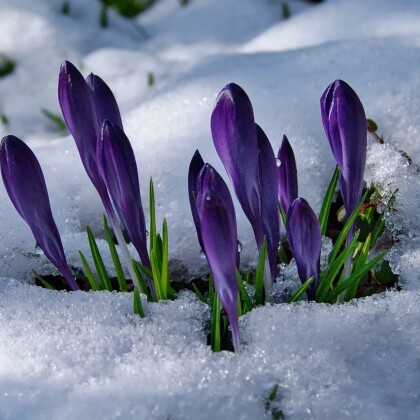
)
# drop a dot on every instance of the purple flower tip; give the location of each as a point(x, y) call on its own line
point(106, 107)
point(268, 193)
point(287, 175)
point(219, 235)
point(235, 138)
point(25, 185)
point(345, 126)
point(118, 168)
point(194, 169)
point(304, 236)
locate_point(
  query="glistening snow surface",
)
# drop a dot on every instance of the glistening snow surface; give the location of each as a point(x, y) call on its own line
point(74, 355)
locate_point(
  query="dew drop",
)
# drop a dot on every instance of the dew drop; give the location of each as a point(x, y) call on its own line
point(278, 162)
point(38, 250)
point(239, 247)
point(202, 254)
point(208, 198)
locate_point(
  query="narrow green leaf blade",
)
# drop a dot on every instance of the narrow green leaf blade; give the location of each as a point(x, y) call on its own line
point(115, 258)
point(45, 283)
point(137, 305)
point(259, 275)
point(99, 263)
point(326, 204)
point(94, 285)
point(302, 289)
point(247, 302)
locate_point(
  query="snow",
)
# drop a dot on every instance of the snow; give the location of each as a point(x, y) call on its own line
point(84, 355)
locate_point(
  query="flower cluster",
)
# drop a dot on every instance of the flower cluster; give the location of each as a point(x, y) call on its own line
point(265, 184)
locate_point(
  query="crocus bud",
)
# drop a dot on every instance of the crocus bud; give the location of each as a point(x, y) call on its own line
point(194, 169)
point(218, 231)
point(106, 107)
point(287, 175)
point(235, 139)
point(304, 236)
point(268, 193)
point(77, 106)
point(118, 168)
point(25, 184)
point(345, 125)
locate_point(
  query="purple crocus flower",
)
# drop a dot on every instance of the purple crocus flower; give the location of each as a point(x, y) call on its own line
point(118, 168)
point(235, 139)
point(25, 184)
point(287, 175)
point(106, 107)
point(268, 193)
point(304, 236)
point(196, 165)
point(77, 106)
point(345, 125)
point(218, 231)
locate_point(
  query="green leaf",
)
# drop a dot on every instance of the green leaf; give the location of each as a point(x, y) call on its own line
point(302, 289)
point(326, 204)
point(137, 271)
point(346, 229)
point(247, 302)
point(4, 120)
point(7, 65)
point(198, 293)
point(88, 272)
point(358, 264)
point(152, 230)
point(259, 275)
point(44, 282)
point(355, 277)
point(332, 271)
point(215, 338)
point(282, 214)
point(137, 305)
point(155, 275)
point(55, 119)
point(164, 268)
point(99, 264)
point(115, 259)
point(372, 126)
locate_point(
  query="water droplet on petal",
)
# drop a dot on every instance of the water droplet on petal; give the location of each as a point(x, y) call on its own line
point(278, 162)
point(208, 198)
point(239, 247)
point(202, 254)
point(38, 250)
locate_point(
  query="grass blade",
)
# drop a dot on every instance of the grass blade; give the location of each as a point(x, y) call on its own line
point(355, 277)
point(94, 285)
point(137, 305)
point(215, 338)
point(198, 293)
point(282, 214)
point(99, 263)
point(259, 275)
point(115, 259)
point(343, 234)
point(326, 204)
point(152, 230)
point(332, 271)
point(247, 302)
point(155, 275)
point(44, 282)
point(302, 289)
point(142, 283)
point(164, 268)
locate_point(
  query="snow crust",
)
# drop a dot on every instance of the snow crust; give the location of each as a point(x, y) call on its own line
point(83, 355)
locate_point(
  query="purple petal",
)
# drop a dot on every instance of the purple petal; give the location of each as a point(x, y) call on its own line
point(117, 165)
point(235, 139)
point(196, 165)
point(344, 123)
point(269, 202)
point(304, 236)
point(78, 110)
point(106, 106)
point(218, 229)
point(287, 175)
point(25, 184)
